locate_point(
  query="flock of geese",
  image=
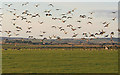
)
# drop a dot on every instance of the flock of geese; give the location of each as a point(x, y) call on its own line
point(64, 17)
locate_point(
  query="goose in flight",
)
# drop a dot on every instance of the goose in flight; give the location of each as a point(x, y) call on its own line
point(8, 5)
point(36, 5)
point(63, 21)
point(58, 38)
point(18, 30)
point(28, 21)
point(89, 22)
point(78, 21)
point(83, 16)
point(41, 35)
point(104, 22)
point(118, 30)
point(114, 12)
point(40, 22)
point(101, 32)
point(74, 35)
point(25, 3)
point(14, 24)
point(59, 27)
point(18, 27)
point(16, 34)
point(65, 32)
point(85, 34)
point(91, 35)
point(90, 18)
point(48, 14)
point(53, 26)
point(30, 37)
point(29, 27)
point(79, 27)
point(47, 11)
point(91, 12)
point(97, 34)
point(107, 25)
point(69, 17)
point(51, 5)
point(106, 35)
point(114, 19)
point(69, 25)
point(74, 9)
point(23, 18)
point(112, 33)
point(28, 31)
point(64, 16)
point(73, 29)
point(62, 29)
point(8, 32)
point(58, 9)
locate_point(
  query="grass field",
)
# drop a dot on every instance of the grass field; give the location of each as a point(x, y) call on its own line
point(59, 61)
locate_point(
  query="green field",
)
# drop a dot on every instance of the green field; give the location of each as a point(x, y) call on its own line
point(59, 61)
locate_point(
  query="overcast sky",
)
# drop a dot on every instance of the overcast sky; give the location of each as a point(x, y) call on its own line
point(103, 12)
point(60, 0)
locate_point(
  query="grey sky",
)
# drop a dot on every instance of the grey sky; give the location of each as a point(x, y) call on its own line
point(103, 12)
point(60, 0)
